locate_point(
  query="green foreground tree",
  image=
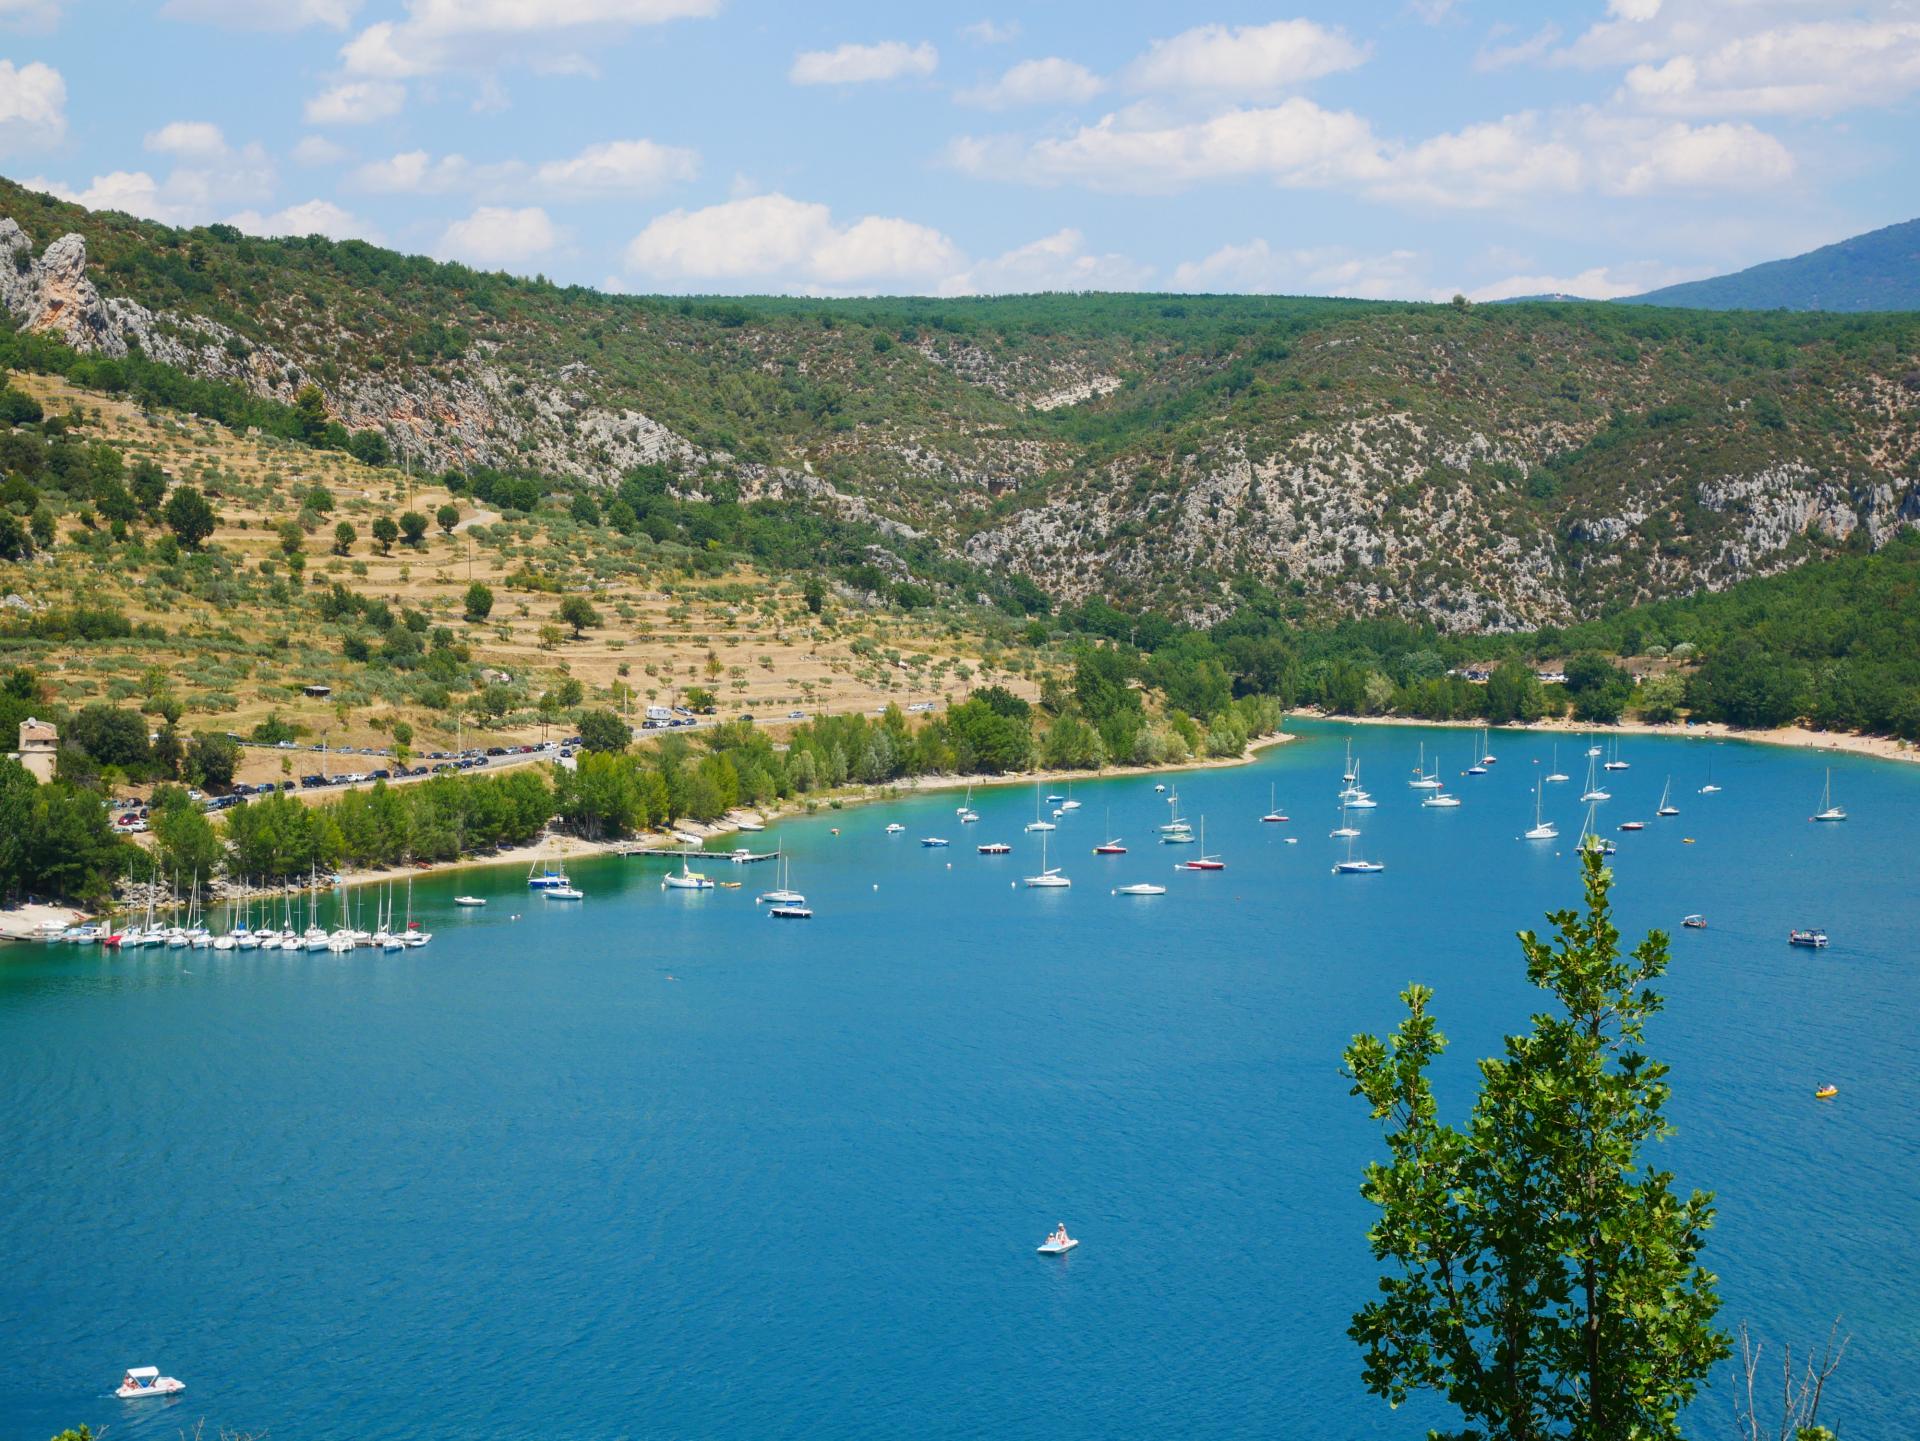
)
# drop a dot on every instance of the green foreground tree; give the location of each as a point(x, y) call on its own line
point(1545, 1278)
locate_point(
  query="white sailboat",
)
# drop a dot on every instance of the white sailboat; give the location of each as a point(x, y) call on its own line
point(1828, 810)
point(1479, 767)
point(1273, 815)
point(1709, 788)
point(1037, 824)
point(1667, 807)
point(1593, 791)
point(1555, 777)
point(1616, 764)
point(1068, 803)
point(1203, 861)
point(1421, 780)
point(1591, 839)
point(966, 812)
point(1350, 774)
point(685, 879)
point(1140, 888)
point(1543, 830)
point(1343, 829)
point(1354, 867)
point(783, 894)
point(1049, 877)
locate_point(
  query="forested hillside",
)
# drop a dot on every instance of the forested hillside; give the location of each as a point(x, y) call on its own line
point(1876, 271)
point(1472, 467)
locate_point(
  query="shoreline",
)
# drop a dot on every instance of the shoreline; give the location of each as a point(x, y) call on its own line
point(560, 846)
point(1793, 737)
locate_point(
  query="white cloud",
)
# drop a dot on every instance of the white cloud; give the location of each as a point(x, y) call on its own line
point(1492, 57)
point(1598, 283)
point(1499, 160)
point(1055, 262)
point(1261, 268)
point(30, 14)
point(1037, 82)
point(611, 169)
point(1634, 11)
point(1293, 143)
point(189, 139)
point(991, 32)
point(1251, 61)
point(781, 244)
point(264, 14)
point(499, 237)
point(357, 102)
point(414, 172)
point(439, 35)
point(311, 217)
point(134, 191)
point(790, 244)
point(1688, 158)
point(190, 194)
point(1821, 68)
point(860, 64)
point(318, 150)
point(618, 167)
point(33, 105)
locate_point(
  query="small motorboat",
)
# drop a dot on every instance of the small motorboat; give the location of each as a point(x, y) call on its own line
point(1140, 888)
point(790, 913)
point(933, 842)
point(1040, 825)
point(1826, 1093)
point(1058, 1244)
point(1158, 789)
point(894, 828)
point(1357, 868)
point(749, 826)
point(730, 885)
point(469, 900)
point(564, 893)
point(1054, 800)
point(1813, 940)
point(147, 1381)
point(995, 848)
point(1694, 922)
point(1440, 800)
point(1633, 825)
point(968, 817)
point(1111, 848)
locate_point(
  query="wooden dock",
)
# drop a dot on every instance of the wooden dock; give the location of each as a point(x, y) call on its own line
point(680, 853)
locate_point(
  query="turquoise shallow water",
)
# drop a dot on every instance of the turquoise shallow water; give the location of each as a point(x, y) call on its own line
point(654, 1165)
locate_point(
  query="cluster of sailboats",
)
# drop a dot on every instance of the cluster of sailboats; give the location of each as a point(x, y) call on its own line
point(241, 933)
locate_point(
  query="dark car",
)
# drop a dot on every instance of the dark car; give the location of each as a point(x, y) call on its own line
point(383, 774)
point(309, 782)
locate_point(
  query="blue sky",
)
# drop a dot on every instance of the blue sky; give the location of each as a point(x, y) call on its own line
point(1412, 148)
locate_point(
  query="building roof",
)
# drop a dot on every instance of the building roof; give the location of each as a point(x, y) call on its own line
point(38, 730)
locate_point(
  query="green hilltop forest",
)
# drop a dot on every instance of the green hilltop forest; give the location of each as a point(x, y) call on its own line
point(1475, 468)
point(1876, 271)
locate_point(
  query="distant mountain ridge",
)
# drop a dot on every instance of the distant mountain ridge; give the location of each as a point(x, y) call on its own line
point(1876, 271)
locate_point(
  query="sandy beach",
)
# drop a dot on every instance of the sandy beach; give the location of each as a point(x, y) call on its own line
point(1839, 742)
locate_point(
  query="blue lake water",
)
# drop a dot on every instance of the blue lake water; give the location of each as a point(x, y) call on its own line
point(655, 1165)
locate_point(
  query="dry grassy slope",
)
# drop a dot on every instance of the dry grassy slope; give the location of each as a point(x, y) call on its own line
point(234, 657)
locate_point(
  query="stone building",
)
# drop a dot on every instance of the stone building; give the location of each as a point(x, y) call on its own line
point(39, 748)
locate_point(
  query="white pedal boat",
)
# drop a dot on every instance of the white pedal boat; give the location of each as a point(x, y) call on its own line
point(147, 1381)
point(1058, 1244)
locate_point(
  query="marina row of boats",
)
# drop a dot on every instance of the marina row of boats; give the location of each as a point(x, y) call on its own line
point(239, 933)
